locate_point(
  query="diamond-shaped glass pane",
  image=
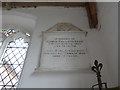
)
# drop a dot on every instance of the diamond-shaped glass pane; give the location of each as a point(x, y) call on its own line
point(13, 60)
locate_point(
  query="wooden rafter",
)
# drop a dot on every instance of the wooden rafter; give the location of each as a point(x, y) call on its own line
point(38, 4)
point(91, 8)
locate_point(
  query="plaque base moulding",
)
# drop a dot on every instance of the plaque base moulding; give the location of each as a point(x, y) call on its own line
point(80, 70)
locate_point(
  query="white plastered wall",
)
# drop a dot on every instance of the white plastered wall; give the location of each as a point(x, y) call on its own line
point(108, 17)
point(46, 18)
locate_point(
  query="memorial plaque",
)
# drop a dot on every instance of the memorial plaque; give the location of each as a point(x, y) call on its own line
point(64, 50)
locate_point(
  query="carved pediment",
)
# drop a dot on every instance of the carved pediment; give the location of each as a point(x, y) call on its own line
point(64, 27)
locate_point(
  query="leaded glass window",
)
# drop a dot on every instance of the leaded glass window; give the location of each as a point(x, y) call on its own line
point(9, 32)
point(12, 60)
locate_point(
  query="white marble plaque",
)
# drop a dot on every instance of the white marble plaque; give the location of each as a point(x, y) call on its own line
point(64, 50)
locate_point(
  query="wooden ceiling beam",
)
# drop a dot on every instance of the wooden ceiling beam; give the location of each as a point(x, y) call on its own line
point(38, 4)
point(91, 9)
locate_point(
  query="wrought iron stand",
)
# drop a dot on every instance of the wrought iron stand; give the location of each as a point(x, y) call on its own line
point(97, 68)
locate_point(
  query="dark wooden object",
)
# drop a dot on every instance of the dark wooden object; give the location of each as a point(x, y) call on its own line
point(38, 4)
point(97, 68)
point(91, 8)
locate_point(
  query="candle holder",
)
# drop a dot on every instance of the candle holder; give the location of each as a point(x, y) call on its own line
point(97, 68)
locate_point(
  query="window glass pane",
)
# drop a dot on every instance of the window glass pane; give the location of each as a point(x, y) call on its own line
point(13, 60)
point(9, 30)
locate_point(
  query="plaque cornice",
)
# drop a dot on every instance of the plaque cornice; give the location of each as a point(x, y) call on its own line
point(65, 27)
